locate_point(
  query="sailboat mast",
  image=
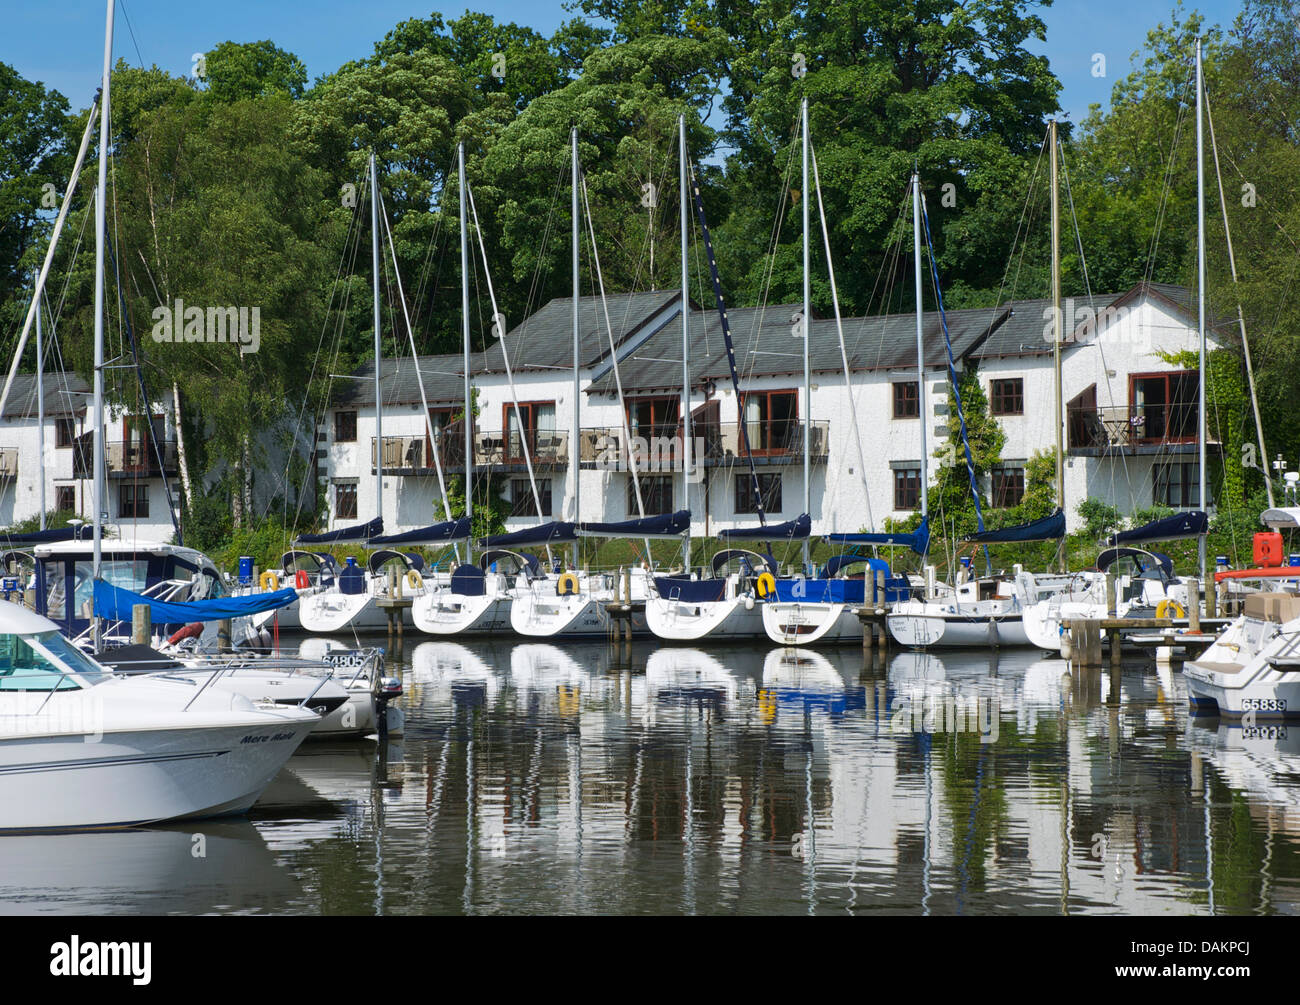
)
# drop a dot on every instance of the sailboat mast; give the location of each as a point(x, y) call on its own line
point(464, 323)
point(97, 413)
point(807, 335)
point(379, 357)
point(686, 342)
point(1200, 306)
point(1057, 415)
point(575, 453)
point(920, 344)
point(40, 404)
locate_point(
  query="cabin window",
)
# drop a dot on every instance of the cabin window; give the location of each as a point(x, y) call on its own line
point(133, 501)
point(1177, 485)
point(65, 498)
point(65, 431)
point(345, 427)
point(770, 487)
point(521, 497)
point(907, 403)
point(41, 662)
point(1008, 486)
point(907, 488)
point(1163, 407)
point(656, 494)
point(534, 426)
point(345, 501)
point(772, 421)
point(1007, 396)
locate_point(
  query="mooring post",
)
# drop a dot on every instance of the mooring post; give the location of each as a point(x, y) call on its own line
point(1211, 599)
point(141, 624)
point(1111, 608)
point(223, 635)
point(1115, 648)
point(1194, 606)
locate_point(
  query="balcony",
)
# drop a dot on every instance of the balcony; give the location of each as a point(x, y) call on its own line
point(1093, 430)
point(657, 448)
point(8, 462)
point(124, 458)
point(411, 455)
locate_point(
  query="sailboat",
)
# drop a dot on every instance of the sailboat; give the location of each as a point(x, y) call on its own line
point(353, 602)
point(824, 607)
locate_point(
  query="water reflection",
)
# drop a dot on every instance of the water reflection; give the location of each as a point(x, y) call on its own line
point(560, 778)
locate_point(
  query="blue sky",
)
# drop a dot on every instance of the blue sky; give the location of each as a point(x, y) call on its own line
point(63, 45)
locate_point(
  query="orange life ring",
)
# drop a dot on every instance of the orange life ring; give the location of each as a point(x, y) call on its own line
point(301, 581)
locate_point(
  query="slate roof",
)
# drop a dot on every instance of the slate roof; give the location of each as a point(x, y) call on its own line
point(65, 394)
point(444, 382)
point(544, 340)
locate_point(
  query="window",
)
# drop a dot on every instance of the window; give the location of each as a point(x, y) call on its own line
point(65, 431)
point(772, 421)
point(65, 498)
point(345, 501)
point(1163, 407)
point(768, 484)
point(345, 427)
point(656, 493)
point(1008, 486)
point(1007, 397)
point(907, 404)
point(521, 497)
point(450, 435)
point(1177, 485)
point(133, 501)
point(907, 488)
point(538, 432)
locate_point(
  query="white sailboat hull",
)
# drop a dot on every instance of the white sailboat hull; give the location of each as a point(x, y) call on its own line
point(796, 624)
point(680, 621)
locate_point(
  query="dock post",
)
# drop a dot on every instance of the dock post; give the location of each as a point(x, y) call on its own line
point(1088, 641)
point(223, 635)
point(1111, 608)
point(1211, 598)
point(141, 624)
point(627, 585)
point(1116, 649)
point(1194, 606)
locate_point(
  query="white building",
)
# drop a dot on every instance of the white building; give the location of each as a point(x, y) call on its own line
point(1130, 429)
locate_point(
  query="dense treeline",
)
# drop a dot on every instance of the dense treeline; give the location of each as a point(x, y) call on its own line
point(240, 186)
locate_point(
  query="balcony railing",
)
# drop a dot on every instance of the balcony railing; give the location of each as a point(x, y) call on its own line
point(124, 458)
point(658, 447)
point(412, 453)
point(1129, 426)
point(9, 462)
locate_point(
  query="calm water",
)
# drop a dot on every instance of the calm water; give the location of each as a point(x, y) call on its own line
point(545, 779)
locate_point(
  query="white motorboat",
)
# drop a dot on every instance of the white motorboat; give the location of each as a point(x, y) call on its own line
point(1253, 667)
point(725, 605)
point(82, 747)
point(476, 600)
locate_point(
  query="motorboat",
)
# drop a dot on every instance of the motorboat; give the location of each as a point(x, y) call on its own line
point(1253, 667)
point(82, 747)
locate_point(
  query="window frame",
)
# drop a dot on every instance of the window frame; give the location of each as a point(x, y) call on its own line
point(743, 491)
point(338, 417)
point(998, 396)
point(341, 490)
point(914, 401)
point(907, 480)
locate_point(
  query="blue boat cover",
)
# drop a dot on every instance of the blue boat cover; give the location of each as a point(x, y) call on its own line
point(114, 603)
point(691, 591)
point(1144, 560)
point(361, 532)
point(438, 533)
point(468, 581)
point(519, 559)
point(827, 590)
point(751, 562)
point(1167, 528)
point(668, 525)
point(45, 536)
point(792, 530)
point(918, 540)
point(1046, 529)
point(546, 533)
point(385, 555)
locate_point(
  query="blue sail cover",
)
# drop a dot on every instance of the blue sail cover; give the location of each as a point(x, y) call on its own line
point(438, 533)
point(918, 540)
point(1046, 529)
point(362, 532)
point(115, 604)
point(44, 536)
point(1167, 528)
point(669, 525)
point(547, 533)
point(792, 530)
